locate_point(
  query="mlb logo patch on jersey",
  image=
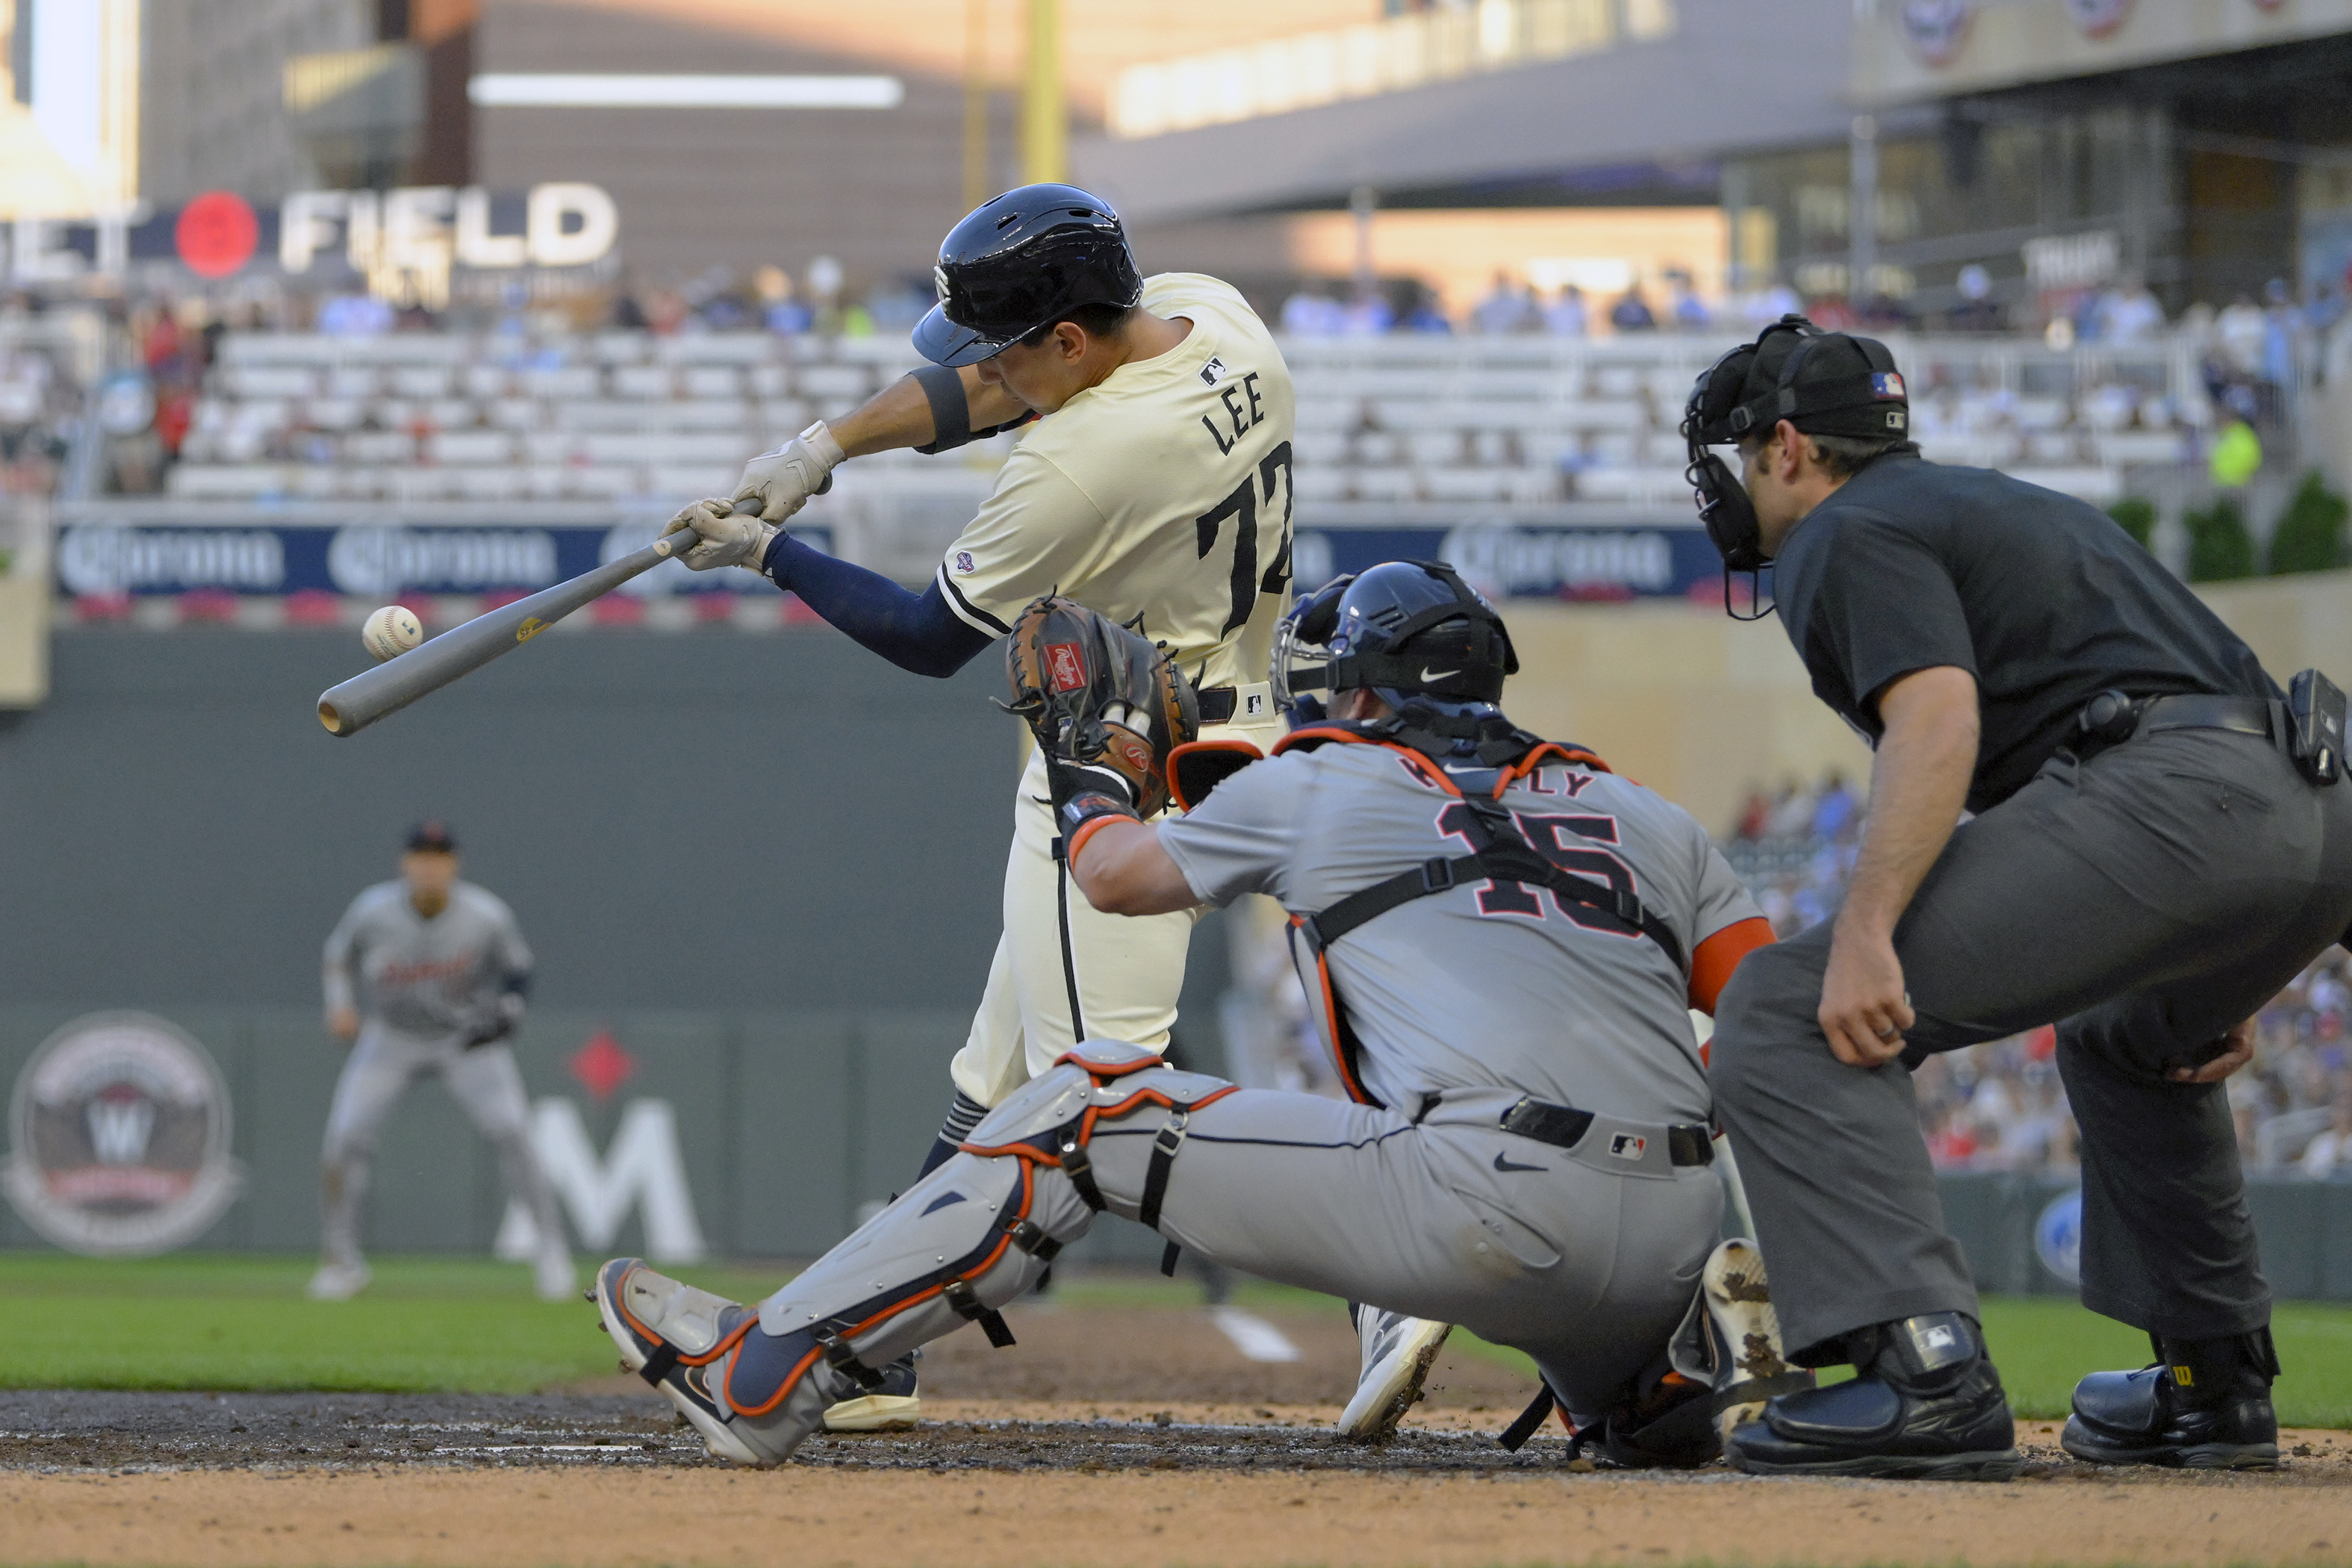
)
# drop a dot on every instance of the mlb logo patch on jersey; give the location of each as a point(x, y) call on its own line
point(1066, 665)
point(1886, 384)
point(1627, 1146)
point(1213, 372)
point(964, 565)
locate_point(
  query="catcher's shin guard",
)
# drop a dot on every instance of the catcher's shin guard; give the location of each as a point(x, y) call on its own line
point(681, 1341)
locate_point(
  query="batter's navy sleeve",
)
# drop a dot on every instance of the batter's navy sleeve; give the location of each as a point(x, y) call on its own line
point(917, 632)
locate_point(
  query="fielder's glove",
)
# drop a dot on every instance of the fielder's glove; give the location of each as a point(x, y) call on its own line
point(728, 537)
point(496, 1021)
point(1106, 708)
point(779, 483)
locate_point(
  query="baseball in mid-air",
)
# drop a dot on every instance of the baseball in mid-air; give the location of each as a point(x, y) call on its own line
point(391, 631)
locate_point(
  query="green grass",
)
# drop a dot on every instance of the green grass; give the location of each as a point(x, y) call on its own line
point(231, 1322)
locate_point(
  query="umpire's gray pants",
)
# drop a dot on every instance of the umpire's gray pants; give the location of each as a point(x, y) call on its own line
point(2148, 900)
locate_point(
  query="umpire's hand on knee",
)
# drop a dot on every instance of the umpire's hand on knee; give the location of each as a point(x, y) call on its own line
point(2237, 1050)
point(1864, 1008)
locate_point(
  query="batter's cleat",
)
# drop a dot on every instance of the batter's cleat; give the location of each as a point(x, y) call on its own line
point(338, 1281)
point(2205, 1405)
point(681, 1340)
point(554, 1278)
point(1398, 1351)
point(1744, 1333)
point(1925, 1405)
point(893, 1408)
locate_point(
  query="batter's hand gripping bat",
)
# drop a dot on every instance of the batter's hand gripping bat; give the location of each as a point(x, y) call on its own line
point(356, 703)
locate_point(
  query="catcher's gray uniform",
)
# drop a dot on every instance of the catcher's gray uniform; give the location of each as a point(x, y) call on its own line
point(430, 985)
point(1463, 1005)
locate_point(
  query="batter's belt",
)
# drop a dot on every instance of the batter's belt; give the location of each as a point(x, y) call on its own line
point(1221, 704)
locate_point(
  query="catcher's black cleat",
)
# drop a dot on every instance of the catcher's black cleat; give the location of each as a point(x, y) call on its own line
point(1926, 1404)
point(2205, 1405)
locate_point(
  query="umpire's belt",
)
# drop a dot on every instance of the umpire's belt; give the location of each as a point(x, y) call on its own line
point(1565, 1127)
point(2107, 721)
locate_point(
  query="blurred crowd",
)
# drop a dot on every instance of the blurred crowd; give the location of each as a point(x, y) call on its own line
point(2000, 1106)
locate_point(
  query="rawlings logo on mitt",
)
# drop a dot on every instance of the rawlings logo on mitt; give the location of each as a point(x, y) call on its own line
point(1106, 705)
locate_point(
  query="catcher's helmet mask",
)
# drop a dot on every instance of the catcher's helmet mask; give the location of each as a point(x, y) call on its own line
point(1416, 636)
point(1024, 262)
point(1755, 386)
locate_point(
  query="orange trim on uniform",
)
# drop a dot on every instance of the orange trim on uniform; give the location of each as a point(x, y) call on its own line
point(1086, 830)
point(1714, 959)
point(1547, 751)
point(792, 1381)
point(1330, 1031)
point(1322, 732)
point(726, 1343)
point(1114, 1069)
point(1177, 795)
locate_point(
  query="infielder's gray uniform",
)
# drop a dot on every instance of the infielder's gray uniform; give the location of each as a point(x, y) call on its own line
point(428, 984)
point(1587, 1257)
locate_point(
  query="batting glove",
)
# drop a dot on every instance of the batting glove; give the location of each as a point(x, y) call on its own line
point(779, 483)
point(728, 537)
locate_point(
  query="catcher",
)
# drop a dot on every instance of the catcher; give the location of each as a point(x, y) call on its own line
point(1505, 937)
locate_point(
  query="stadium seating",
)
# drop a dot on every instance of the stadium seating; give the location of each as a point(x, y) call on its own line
point(1500, 421)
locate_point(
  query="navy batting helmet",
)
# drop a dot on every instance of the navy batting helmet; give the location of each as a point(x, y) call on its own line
point(1024, 262)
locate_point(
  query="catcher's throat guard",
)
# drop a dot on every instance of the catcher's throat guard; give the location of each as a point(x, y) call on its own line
point(1099, 698)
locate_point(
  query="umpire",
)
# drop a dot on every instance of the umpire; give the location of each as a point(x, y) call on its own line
point(2154, 852)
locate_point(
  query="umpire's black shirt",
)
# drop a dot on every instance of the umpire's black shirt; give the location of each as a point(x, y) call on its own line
point(2041, 597)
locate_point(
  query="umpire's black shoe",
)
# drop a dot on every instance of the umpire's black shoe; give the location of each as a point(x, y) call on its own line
point(2205, 1405)
point(1925, 1405)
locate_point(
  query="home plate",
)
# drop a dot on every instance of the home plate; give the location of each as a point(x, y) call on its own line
point(1252, 1335)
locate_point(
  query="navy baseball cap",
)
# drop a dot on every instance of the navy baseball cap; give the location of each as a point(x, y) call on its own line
point(433, 837)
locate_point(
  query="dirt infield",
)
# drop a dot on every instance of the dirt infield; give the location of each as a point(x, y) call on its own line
point(1185, 1453)
point(1137, 1514)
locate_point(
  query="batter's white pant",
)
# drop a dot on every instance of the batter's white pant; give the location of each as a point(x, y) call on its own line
point(486, 1084)
point(1065, 972)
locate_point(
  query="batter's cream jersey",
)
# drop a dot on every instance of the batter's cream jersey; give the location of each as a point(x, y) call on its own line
point(1160, 497)
point(1486, 984)
point(424, 978)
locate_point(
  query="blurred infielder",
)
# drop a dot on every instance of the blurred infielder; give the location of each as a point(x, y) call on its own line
point(1155, 488)
point(445, 969)
point(1503, 938)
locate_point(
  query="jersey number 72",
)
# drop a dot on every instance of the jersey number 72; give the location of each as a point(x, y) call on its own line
point(1242, 504)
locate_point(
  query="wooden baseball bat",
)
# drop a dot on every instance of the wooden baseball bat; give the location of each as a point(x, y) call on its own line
point(352, 706)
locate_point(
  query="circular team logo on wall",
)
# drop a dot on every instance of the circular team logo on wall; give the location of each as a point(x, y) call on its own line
point(2058, 1237)
point(1936, 30)
point(2097, 18)
point(119, 1137)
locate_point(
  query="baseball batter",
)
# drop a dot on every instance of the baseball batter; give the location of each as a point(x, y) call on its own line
point(1154, 485)
point(443, 968)
point(1527, 1151)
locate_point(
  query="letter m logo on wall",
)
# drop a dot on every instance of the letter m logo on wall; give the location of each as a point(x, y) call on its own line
point(642, 1170)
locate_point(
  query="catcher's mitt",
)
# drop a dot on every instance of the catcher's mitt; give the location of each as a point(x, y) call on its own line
point(1106, 705)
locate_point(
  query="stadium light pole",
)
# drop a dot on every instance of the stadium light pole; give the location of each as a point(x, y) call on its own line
point(1861, 213)
point(1044, 125)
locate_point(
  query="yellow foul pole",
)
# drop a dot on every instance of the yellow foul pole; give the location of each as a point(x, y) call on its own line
point(975, 103)
point(1045, 119)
